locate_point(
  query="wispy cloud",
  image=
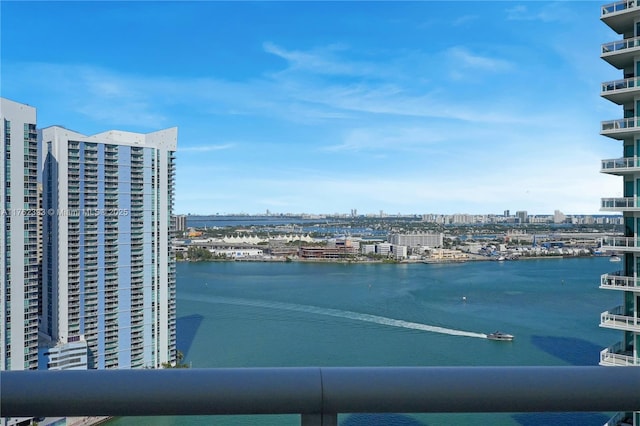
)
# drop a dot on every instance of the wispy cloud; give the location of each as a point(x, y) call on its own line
point(390, 138)
point(208, 148)
point(544, 12)
point(321, 60)
point(96, 93)
point(464, 19)
point(467, 59)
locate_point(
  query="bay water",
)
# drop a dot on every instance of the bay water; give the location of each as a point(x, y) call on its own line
point(267, 314)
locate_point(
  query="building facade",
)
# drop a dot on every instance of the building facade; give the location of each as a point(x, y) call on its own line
point(19, 283)
point(624, 55)
point(108, 265)
point(417, 240)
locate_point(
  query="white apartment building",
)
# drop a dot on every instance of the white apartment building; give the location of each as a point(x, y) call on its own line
point(19, 283)
point(108, 265)
point(417, 240)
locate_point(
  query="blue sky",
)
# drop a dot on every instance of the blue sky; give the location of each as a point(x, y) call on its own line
point(323, 107)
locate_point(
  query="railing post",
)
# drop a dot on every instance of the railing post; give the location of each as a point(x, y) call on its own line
point(325, 419)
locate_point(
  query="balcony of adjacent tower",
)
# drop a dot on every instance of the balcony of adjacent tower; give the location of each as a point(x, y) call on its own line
point(617, 281)
point(618, 319)
point(621, 91)
point(618, 355)
point(621, 244)
point(620, 15)
point(620, 53)
point(621, 166)
point(621, 129)
point(624, 204)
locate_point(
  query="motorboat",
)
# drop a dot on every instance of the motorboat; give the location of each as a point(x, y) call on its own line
point(614, 258)
point(498, 335)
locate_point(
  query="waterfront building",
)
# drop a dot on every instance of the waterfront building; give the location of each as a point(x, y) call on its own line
point(67, 356)
point(399, 252)
point(325, 252)
point(108, 263)
point(383, 249)
point(441, 254)
point(19, 284)
point(417, 240)
point(624, 18)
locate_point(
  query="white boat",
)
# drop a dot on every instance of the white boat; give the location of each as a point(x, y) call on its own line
point(498, 335)
point(614, 258)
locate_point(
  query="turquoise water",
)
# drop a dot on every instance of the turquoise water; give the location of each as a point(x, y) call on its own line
point(238, 314)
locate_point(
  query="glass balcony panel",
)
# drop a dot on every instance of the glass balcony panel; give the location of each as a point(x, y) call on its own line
point(617, 281)
point(617, 319)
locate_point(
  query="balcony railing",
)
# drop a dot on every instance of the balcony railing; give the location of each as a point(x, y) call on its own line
point(620, 164)
point(616, 281)
point(623, 125)
point(621, 92)
point(617, 319)
point(621, 243)
point(318, 394)
point(616, 356)
point(622, 203)
point(623, 419)
point(618, 6)
point(616, 85)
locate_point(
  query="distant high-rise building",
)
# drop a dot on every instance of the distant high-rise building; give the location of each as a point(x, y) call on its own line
point(522, 216)
point(19, 283)
point(558, 216)
point(108, 264)
point(624, 18)
point(506, 213)
point(179, 223)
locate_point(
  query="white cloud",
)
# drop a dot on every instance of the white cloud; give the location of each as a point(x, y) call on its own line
point(321, 61)
point(463, 58)
point(388, 138)
point(207, 148)
point(546, 12)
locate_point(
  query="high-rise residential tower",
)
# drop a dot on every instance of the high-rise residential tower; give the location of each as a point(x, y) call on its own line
point(624, 54)
point(108, 267)
point(19, 284)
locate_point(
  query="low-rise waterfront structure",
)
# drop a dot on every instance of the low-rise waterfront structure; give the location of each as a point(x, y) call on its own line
point(441, 254)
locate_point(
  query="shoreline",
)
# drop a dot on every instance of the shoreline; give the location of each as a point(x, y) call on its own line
point(391, 262)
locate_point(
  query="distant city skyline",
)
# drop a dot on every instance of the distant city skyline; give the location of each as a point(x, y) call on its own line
point(411, 107)
point(354, 212)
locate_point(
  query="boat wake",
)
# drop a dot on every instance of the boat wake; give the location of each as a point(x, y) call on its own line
point(336, 313)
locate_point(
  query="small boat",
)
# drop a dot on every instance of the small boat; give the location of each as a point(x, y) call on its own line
point(614, 258)
point(498, 335)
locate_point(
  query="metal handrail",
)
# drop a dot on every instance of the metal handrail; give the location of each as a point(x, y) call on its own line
point(620, 124)
point(619, 203)
point(618, 6)
point(616, 46)
point(318, 393)
point(620, 163)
